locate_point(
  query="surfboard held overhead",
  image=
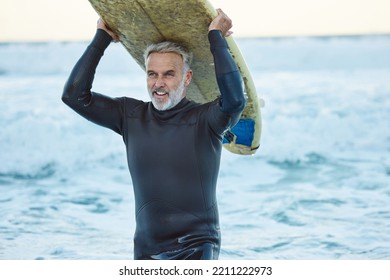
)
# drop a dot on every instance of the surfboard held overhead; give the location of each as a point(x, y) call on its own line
point(139, 23)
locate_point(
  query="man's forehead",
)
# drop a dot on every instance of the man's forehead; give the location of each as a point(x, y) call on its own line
point(165, 60)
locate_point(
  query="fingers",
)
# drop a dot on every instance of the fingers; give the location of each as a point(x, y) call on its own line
point(222, 22)
point(101, 24)
point(228, 33)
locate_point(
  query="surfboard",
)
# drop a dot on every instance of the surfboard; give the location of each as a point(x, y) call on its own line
point(139, 23)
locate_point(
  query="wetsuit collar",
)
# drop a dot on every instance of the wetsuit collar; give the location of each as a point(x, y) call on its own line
point(167, 114)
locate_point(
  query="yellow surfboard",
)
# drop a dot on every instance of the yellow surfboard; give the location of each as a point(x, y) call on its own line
point(142, 22)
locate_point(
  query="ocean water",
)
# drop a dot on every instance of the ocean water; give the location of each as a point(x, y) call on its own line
point(318, 187)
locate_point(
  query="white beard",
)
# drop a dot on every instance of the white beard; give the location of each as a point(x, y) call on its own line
point(174, 97)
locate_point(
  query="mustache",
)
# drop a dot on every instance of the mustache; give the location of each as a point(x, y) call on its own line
point(160, 89)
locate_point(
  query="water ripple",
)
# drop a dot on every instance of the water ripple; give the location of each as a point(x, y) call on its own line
point(46, 171)
point(282, 217)
point(271, 248)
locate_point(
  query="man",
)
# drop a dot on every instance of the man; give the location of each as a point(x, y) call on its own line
point(173, 144)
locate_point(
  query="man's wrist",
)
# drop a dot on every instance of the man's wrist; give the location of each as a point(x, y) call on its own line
point(216, 39)
point(101, 40)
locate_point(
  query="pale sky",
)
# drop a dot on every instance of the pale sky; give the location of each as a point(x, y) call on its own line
point(53, 20)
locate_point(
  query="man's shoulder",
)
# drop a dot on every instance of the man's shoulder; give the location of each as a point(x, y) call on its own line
point(192, 105)
point(131, 103)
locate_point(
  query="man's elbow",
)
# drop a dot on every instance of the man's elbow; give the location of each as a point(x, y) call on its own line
point(232, 92)
point(71, 94)
point(234, 105)
point(66, 94)
point(240, 103)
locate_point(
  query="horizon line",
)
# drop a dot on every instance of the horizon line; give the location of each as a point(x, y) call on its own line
point(314, 36)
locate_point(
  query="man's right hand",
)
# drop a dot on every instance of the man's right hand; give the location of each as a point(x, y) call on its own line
point(102, 25)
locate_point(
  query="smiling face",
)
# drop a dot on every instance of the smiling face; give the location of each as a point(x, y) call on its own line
point(166, 80)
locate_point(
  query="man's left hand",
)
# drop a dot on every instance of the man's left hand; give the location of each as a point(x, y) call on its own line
point(223, 23)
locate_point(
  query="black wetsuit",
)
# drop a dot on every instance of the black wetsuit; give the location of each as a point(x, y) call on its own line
point(173, 155)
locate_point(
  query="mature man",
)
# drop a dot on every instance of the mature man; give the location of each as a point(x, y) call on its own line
point(173, 144)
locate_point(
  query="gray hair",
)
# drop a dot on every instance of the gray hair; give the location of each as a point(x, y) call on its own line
point(170, 47)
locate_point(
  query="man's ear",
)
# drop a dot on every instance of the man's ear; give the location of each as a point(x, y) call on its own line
point(188, 78)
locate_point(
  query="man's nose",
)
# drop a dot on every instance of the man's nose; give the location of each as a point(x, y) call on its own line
point(160, 82)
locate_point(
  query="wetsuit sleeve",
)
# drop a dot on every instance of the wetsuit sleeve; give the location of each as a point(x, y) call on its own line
point(98, 108)
point(232, 100)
